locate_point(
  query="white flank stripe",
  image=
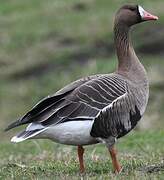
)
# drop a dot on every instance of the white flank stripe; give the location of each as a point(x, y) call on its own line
point(110, 105)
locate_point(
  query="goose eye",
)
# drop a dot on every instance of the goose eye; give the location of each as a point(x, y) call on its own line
point(132, 9)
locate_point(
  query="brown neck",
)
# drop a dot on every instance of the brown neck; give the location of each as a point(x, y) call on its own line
point(128, 63)
point(123, 45)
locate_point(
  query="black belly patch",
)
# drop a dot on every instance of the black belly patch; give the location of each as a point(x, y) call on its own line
point(105, 128)
point(134, 118)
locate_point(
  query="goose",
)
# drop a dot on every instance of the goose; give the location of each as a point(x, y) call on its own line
point(99, 108)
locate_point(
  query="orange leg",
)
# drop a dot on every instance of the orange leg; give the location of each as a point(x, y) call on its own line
point(116, 164)
point(80, 151)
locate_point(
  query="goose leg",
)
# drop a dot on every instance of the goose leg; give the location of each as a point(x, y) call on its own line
point(80, 151)
point(116, 164)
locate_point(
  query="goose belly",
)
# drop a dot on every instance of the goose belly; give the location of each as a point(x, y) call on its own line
point(71, 133)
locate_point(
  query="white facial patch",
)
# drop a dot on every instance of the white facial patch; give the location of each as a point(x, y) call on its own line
point(141, 11)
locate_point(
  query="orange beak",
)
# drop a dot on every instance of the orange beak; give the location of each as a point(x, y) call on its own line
point(147, 16)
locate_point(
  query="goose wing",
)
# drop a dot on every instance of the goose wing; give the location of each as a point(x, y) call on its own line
point(82, 100)
point(86, 101)
point(50, 102)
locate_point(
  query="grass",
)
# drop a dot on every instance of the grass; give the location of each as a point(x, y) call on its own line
point(45, 45)
point(139, 153)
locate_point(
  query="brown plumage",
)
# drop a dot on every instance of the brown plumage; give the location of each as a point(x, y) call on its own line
point(98, 108)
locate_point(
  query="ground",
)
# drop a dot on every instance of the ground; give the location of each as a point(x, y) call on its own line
point(140, 153)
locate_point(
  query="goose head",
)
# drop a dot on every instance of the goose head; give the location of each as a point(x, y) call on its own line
point(133, 14)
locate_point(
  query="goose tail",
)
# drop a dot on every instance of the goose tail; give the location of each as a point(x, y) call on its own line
point(32, 130)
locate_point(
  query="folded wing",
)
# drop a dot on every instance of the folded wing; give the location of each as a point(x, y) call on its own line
point(81, 100)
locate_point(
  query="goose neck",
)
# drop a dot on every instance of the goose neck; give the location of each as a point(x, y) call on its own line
point(128, 62)
point(123, 45)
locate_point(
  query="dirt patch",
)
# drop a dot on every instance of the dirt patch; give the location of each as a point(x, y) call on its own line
point(153, 41)
point(99, 49)
point(153, 44)
point(80, 6)
point(153, 48)
point(153, 168)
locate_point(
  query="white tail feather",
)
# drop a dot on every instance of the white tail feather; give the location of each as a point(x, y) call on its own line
point(17, 139)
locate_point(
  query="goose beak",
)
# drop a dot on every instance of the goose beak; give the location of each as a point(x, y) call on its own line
point(146, 16)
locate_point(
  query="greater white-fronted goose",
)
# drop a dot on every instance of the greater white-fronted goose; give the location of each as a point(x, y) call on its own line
point(98, 108)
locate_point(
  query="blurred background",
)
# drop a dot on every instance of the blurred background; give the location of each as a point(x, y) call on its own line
point(45, 45)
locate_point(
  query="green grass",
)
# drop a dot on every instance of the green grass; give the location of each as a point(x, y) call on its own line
point(40, 159)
